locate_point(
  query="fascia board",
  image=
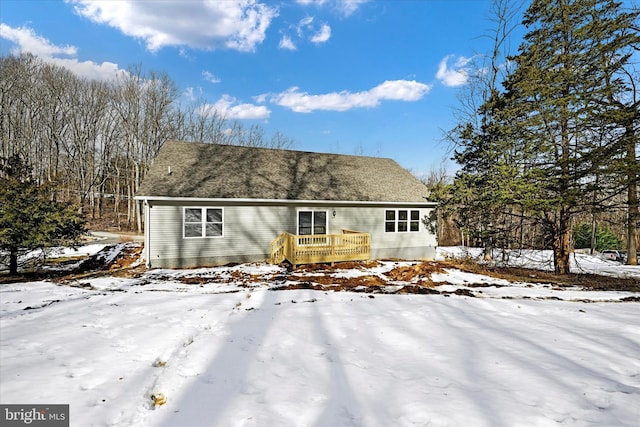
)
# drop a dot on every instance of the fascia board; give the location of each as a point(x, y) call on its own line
point(426, 203)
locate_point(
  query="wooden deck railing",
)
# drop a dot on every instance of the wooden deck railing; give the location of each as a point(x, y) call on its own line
point(309, 249)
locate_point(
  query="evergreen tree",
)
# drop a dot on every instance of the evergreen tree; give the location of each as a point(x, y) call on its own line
point(623, 107)
point(30, 218)
point(562, 75)
point(547, 138)
point(604, 238)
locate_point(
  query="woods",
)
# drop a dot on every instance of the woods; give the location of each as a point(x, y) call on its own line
point(96, 139)
point(556, 141)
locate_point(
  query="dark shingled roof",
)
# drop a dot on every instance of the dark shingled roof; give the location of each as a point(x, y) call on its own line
point(213, 171)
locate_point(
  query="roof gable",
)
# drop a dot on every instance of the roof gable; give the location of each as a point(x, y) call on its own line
point(214, 171)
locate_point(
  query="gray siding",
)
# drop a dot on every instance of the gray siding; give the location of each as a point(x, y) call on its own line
point(250, 229)
point(409, 245)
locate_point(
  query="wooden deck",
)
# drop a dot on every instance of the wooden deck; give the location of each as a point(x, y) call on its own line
point(320, 248)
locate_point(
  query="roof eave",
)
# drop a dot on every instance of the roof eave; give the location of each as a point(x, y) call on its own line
point(425, 203)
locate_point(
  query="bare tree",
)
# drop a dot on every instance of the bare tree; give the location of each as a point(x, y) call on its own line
point(97, 139)
point(199, 122)
point(144, 108)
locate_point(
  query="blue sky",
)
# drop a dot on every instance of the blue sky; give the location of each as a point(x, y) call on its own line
point(375, 78)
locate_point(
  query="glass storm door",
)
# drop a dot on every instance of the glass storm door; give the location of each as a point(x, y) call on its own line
point(312, 222)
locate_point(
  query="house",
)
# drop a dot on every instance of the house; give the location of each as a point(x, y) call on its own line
point(210, 204)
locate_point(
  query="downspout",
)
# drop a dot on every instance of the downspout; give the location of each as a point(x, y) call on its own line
point(147, 234)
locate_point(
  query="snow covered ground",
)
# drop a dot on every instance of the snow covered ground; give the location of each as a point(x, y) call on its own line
point(226, 349)
point(543, 260)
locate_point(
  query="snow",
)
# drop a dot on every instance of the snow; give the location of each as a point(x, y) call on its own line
point(90, 249)
point(543, 260)
point(79, 252)
point(226, 349)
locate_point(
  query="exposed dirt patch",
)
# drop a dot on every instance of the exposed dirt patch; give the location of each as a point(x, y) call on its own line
point(419, 277)
point(124, 264)
point(196, 280)
point(373, 284)
point(235, 277)
point(422, 271)
point(589, 281)
point(414, 289)
point(348, 265)
point(21, 278)
point(370, 284)
point(299, 285)
point(129, 256)
point(351, 282)
point(483, 285)
point(465, 292)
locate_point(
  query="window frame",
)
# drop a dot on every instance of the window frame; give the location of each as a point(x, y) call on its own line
point(203, 221)
point(401, 218)
point(313, 223)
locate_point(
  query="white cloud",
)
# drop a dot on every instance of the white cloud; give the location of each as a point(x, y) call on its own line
point(345, 7)
point(304, 23)
point(322, 35)
point(210, 77)
point(88, 69)
point(202, 24)
point(26, 40)
point(305, 29)
point(228, 107)
point(287, 43)
point(455, 75)
point(310, 2)
point(399, 90)
point(261, 99)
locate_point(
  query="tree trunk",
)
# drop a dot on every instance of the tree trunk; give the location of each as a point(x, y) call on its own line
point(92, 201)
point(632, 200)
point(13, 263)
point(130, 210)
point(632, 230)
point(594, 231)
point(487, 253)
point(562, 244)
point(116, 197)
point(137, 205)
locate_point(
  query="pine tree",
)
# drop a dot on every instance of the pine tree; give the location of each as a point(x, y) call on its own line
point(30, 218)
point(623, 108)
point(541, 148)
point(556, 92)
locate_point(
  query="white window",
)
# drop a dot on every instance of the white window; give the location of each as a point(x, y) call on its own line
point(202, 222)
point(312, 222)
point(401, 220)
